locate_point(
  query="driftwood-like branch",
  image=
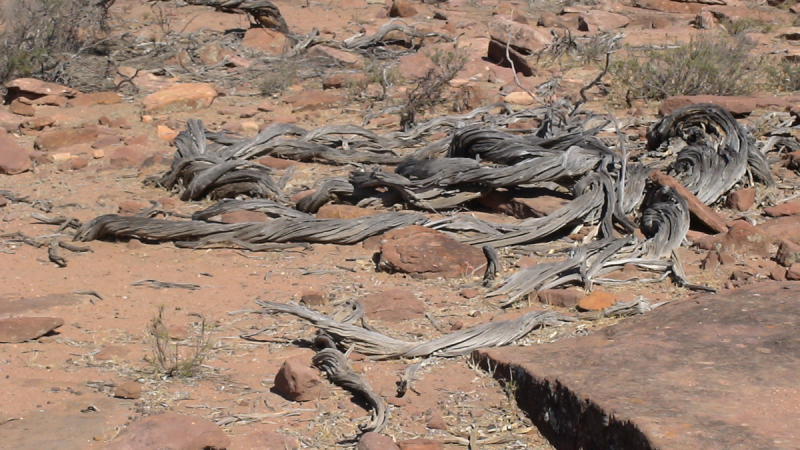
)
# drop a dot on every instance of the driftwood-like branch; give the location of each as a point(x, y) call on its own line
point(715, 153)
point(283, 230)
point(362, 41)
point(334, 364)
point(379, 346)
point(264, 12)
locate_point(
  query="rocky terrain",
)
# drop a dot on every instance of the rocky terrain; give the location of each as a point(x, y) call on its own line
point(143, 343)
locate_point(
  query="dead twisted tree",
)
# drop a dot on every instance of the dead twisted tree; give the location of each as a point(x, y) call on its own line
point(701, 145)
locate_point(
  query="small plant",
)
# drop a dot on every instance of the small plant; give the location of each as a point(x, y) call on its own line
point(785, 75)
point(738, 27)
point(278, 77)
point(714, 66)
point(428, 90)
point(175, 359)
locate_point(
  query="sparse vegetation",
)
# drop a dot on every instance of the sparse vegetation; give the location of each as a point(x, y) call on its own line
point(741, 26)
point(715, 66)
point(427, 91)
point(280, 76)
point(375, 72)
point(173, 358)
point(785, 75)
point(37, 34)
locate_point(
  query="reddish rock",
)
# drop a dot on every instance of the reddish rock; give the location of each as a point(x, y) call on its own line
point(393, 305)
point(181, 97)
point(314, 298)
point(699, 210)
point(122, 123)
point(420, 444)
point(78, 163)
point(95, 98)
point(711, 261)
point(597, 300)
point(437, 422)
point(22, 109)
point(56, 139)
point(738, 106)
point(127, 157)
point(469, 293)
point(534, 203)
point(742, 238)
point(788, 253)
point(48, 100)
point(375, 441)
point(497, 54)
point(3, 201)
point(244, 217)
point(666, 372)
point(14, 158)
point(429, 253)
point(131, 207)
point(21, 329)
point(171, 431)
point(265, 40)
point(344, 212)
point(340, 57)
point(564, 298)
point(129, 389)
point(519, 98)
point(298, 381)
point(276, 163)
point(669, 6)
point(32, 88)
point(787, 228)
point(595, 21)
point(211, 54)
point(415, 65)
point(525, 38)
point(105, 141)
point(778, 274)
point(401, 8)
point(39, 123)
point(166, 133)
point(793, 272)
point(343, 80)
point(734, 12)
point(784, 209)
point(741, 199)
point(265, 440)
point(309, 100)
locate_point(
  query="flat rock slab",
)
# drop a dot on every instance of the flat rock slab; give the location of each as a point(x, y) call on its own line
point(20, 329)
point(707, 372)
point(11, 306)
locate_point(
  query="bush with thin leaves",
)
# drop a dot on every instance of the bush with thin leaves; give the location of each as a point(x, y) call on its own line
point(38, 34)
point(706, 65)
point(428, 90)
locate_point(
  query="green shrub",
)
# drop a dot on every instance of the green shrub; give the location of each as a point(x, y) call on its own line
point(713, 66)
point(39, 34)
